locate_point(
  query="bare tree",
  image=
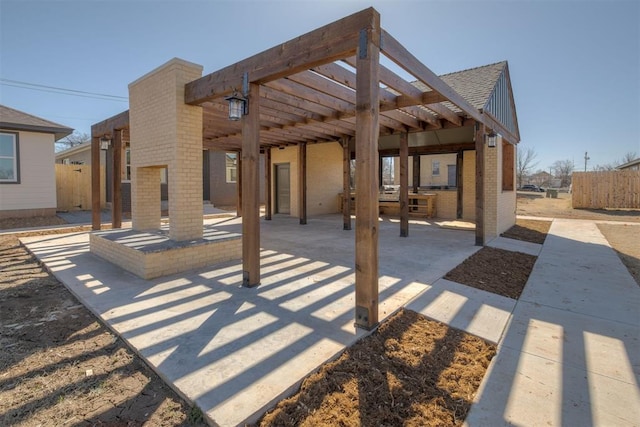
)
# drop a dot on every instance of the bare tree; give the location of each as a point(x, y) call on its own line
point(526, 162)
point(73, 140)
point(563, 169)
point(629, 156)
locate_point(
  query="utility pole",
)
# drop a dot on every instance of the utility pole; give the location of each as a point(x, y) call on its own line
point(586, 157)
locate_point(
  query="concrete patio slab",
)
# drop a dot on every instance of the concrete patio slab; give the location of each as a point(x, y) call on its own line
point(478, 312)
point(516, 246)
point(235, 351)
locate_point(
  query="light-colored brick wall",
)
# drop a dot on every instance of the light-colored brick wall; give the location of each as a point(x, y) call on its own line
point(491, 190)
point(165, 132)
point(324, 178)
point(145, 198)
point(446, 203)
point(149, 265)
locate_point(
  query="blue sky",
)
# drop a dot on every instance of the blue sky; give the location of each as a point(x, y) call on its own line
point(575, 65)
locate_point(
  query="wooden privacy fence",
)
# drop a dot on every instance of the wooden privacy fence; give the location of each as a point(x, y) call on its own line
point(607, 189)
point(73, 187)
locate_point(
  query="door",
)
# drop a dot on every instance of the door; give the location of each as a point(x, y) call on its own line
point(283, 189)
point(451, 175)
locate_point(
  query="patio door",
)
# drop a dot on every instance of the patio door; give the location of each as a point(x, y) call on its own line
point(283, 189)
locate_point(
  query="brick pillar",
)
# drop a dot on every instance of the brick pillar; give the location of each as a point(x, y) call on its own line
point(492, 190)
point(145, 198)
point(165, 132)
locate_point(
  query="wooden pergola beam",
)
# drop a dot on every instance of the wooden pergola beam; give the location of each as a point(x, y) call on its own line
point(321, 46)
point(95, 183)
point(116, 202)
point(302, 185)
point(430, 149)
point(346, 184)
point(480, 188)
point(404, 185)
point(393, 50)
point(105, 127)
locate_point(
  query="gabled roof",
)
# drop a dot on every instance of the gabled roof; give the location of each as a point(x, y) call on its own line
point(486, 88)
point(12, 119)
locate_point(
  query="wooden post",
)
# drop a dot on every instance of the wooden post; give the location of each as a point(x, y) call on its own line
point(239, 184)
point(251, 190)
point(459, 183)
point(380, 170)
point(367, 131)
point(346, 184)
point(302, 187)
point(95, 183)
point(416, 173)
point(116, 194)
point(404, 185)
point(479, 139)
point(267, 183)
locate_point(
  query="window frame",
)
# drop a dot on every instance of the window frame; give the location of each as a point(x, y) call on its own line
point(435, 167)
point(228, 168)
point(15, 157)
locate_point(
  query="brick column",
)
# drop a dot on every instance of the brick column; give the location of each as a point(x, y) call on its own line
point(165, 132)
point(491, 192)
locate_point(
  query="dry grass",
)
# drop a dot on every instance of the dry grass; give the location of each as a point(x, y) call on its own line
point(624, 239)
point(412, 371)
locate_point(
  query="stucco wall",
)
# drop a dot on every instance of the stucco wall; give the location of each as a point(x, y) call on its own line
point(37, 187)
point(506, 199)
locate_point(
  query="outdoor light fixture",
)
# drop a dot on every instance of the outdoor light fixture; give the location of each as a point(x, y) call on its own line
point(104, 143)
point(492, 139)
point(237, 107)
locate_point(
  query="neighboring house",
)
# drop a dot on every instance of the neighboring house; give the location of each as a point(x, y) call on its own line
point(27, 175)
point(219, 173)
point(541, 179)
point(633, 165)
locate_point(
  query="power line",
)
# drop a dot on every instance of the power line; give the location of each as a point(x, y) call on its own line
point(62, 91)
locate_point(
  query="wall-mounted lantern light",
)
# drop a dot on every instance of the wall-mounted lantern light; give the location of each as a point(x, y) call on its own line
point(105, 142)
point(237, 107)
point(492, 139)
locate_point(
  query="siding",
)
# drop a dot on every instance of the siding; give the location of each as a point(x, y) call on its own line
point(37, 188)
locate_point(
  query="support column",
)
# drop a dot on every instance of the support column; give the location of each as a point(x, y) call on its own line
point(479, 139)
point(416, 173)
point(404, 185)
point(367, 131)
point(346, 184)
point(116, 202)
point(267, 182)
point(95, 183)
point(239, 184)
point(302, 179)
point(250, 188)
point(459, 183)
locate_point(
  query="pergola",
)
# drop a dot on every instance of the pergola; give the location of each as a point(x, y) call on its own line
point(324, 86)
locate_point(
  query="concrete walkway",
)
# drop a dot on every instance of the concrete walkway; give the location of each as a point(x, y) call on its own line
point(571, 353)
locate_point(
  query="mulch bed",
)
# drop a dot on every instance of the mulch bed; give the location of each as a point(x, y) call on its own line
point(495, 270)
point(411, 371)
point(529, 230)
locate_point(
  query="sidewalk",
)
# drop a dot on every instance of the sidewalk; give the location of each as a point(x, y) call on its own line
point(571, 353)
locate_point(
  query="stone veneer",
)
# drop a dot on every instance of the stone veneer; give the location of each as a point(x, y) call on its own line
point(153, 254)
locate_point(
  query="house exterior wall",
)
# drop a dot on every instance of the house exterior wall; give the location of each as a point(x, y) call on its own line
point(35, 194)
point(221, 192)
point(324, 178)
point(81, 157)
point(499, 205)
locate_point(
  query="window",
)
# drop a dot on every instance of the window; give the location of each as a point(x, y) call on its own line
point(435, 167)
point(231, 161)
point(9, 162)
point(127, 164)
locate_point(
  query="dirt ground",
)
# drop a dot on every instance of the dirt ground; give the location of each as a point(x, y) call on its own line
point(624, 239)
point(60, 366)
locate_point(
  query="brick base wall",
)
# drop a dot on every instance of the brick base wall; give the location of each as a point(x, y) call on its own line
point(159, 256)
